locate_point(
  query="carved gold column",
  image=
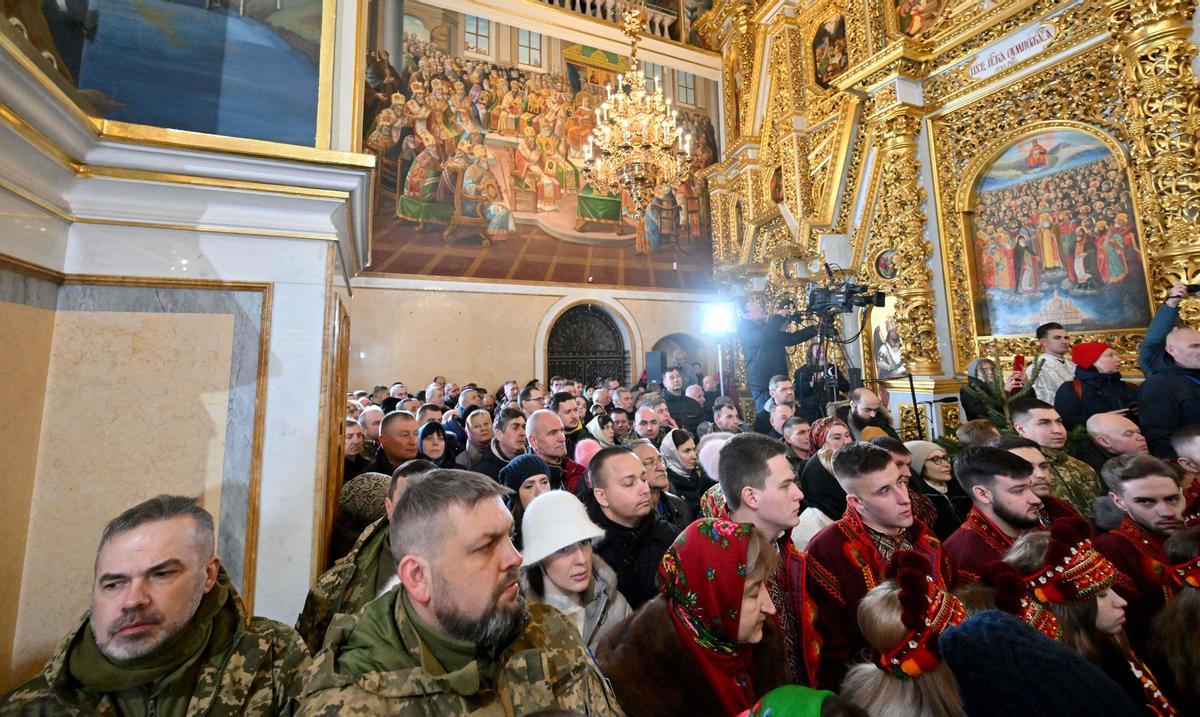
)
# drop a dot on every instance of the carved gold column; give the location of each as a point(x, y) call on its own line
point(1154, 37)
point(899, 224)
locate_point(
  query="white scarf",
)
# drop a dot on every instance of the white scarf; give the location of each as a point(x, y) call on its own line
point(569, 604)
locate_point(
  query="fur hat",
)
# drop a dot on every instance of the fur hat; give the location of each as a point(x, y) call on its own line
point(551, 522)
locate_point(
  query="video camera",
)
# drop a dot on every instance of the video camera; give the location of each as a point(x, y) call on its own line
point(841, 297)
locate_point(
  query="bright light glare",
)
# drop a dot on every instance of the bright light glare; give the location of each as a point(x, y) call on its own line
point(718, 319)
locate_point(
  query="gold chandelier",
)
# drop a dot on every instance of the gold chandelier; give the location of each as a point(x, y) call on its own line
point(636, 146)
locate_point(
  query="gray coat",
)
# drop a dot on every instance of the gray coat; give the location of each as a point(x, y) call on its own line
point(603, 607)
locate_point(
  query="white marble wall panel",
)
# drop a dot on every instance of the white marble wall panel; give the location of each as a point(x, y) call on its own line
point(103, 249)
point(30, 233)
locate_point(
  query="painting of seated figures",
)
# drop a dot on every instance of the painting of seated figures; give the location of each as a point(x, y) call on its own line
point(481, 160)
point(1055, 238)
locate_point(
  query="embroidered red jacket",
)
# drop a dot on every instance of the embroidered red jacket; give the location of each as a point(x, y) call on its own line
point(1143, 575)
point(843, 565)
point(1053, 509)
point(976, 543)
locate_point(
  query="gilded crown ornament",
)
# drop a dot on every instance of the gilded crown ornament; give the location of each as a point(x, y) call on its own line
point(637, 146)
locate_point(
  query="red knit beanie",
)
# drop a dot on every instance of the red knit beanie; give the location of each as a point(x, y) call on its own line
point(1085, 354)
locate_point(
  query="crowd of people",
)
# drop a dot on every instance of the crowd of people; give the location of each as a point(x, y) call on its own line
point(602, 548)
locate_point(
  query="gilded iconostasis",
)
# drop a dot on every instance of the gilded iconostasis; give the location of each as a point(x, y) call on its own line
point(990, 166)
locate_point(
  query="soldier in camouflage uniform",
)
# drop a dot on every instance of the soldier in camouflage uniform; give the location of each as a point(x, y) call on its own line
point(356, 578)
point(455, 637)
point(166, 634)
point(1074, 481)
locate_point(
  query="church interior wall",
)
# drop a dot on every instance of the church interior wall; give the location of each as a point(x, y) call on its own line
point(31, 327)
point(494, 331)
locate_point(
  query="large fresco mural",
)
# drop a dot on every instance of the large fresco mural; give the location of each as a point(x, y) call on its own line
point(1054, 238)
point(241, 68)
point(480, 132)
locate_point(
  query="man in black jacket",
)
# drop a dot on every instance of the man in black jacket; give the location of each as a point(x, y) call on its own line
point(764, 340)
point(686, 412)
point(508, 442)
point(635, 537)
point(1171, 397)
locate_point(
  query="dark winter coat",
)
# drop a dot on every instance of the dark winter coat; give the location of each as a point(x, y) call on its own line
point(686, 411)
point(492, 462)
point(652, 675)
point(1090, 393)
point(973, 406)
point(763, 346)
point(952, 506)
point(690, 487)
point(1168, 401)
point(633, 553)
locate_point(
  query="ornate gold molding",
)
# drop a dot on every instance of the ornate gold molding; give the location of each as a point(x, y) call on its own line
point(1162, 104)
point(898, 224)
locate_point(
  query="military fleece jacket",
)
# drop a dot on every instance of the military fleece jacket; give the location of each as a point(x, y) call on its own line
point(348, 585)
point(259, 675)
point(374, 663)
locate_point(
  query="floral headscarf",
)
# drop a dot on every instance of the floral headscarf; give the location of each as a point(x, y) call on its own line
point(712, 503)
point(703, 577)
point(820, 428)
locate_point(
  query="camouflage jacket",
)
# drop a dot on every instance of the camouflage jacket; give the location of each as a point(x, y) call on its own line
point(345, 587)
point(1074, 482)
point(546, 667)
point(260, 675)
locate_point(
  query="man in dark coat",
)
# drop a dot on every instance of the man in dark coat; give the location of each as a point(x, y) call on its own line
point(764, 341)
point(866, 411)
point(1109, 435)
point(1152, 357)
point(635, 537)
point(782, 394)
point(397, 443)
point(851, 556)
point(1147, 490)
point(1172, 396)
point(1004, 507)
point(508, 442)
point(686, 412)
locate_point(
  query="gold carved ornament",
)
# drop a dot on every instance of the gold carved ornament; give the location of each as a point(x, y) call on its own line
point(1162, 102)
point(898, 223)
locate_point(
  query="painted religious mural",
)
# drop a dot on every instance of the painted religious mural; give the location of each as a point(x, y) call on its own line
point(480, 130)
point(1054, 238)
point(886, 347)
point(244, 68)
point(915, 16)
point(830, 57)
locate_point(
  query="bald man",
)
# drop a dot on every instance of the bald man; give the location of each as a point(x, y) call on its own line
point(1171, 398)
point(866, 413)
point(1109, 435)
point(547, 440)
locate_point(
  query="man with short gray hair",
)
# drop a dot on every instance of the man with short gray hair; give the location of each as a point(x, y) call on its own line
point(370, 419)
point(456, 636)
point(166, 630)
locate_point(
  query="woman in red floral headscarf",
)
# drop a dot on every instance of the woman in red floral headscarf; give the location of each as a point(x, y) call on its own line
point(714, 610)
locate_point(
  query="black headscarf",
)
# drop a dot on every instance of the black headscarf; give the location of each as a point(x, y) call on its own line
point(447, 458)
point(821, 489)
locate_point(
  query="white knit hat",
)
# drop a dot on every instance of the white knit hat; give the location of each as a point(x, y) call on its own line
point(552, 521)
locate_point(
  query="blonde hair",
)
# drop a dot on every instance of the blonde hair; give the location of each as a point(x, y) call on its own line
point(882, 694)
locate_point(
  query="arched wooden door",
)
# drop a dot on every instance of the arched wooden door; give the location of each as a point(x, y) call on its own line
point(586, 343)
